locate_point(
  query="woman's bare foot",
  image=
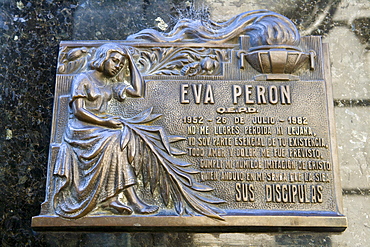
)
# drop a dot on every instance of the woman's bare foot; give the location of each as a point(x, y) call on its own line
point(137, 205)
point(142, 208)
point(117, 207)
point(120, 207)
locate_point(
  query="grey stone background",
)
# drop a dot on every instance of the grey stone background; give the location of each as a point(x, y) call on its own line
point(30, 32)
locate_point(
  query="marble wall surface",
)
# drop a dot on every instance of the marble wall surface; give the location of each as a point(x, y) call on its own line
point(30, 32)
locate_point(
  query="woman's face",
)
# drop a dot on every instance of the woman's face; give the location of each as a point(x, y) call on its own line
point(113, 64)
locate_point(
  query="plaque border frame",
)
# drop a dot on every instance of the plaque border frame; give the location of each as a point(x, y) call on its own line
point(315, 221)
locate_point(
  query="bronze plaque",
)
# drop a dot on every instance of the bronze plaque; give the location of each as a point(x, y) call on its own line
point(210, 127)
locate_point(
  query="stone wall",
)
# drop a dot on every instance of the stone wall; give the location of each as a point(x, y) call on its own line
point(30, 32)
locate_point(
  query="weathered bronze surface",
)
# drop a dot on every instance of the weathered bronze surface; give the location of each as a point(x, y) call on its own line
point(212, 126)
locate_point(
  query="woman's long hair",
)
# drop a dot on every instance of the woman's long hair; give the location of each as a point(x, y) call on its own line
point(102, 54)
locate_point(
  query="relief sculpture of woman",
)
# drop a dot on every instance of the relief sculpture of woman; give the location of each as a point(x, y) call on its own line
point(101, 155)
point(94, 167)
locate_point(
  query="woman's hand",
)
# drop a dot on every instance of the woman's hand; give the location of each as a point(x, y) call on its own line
point(113, 122)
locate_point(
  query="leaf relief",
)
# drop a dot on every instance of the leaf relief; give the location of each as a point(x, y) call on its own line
point(150, 153)
point(75, 60)
point(182, 61)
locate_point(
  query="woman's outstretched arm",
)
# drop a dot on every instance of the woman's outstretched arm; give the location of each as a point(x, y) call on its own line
point(78, 109)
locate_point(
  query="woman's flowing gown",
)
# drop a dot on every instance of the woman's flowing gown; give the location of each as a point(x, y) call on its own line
point(91, 166)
